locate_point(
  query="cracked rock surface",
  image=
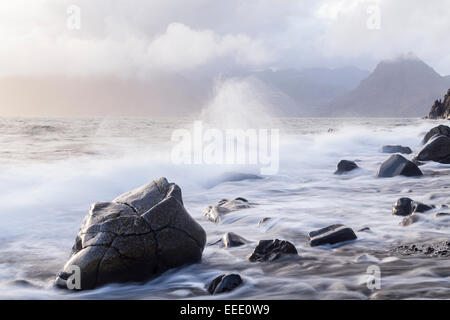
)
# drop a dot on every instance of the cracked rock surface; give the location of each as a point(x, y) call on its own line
point(139, 234)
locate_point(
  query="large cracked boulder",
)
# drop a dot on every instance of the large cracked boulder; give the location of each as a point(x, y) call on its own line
point(398, 165)
point(437, 149)
point(139, 234)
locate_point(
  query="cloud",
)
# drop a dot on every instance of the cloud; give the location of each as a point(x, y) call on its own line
point(120, 46)
point(181, 47)
point(149, 37)
point(404, 26)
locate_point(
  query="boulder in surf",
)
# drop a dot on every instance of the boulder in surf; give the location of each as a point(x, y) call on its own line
point(138, 235)
point(407, 206)
point(398, 165)
point(440, 130)
point(437, 149)
point(270, 250)
point(345, 166)
point(225, 283)
point(333, 234)
point(396, 149)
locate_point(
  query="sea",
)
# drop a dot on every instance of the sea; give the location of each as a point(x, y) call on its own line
point(53, 169)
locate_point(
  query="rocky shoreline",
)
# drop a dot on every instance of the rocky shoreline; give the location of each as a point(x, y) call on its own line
point(144, 232)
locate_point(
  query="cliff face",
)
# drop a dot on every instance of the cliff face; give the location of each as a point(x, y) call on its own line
point(441, 109)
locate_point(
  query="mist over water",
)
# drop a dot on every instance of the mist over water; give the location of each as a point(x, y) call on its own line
point(241, 103)
point(51, 170)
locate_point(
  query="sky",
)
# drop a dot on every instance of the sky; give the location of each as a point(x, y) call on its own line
point(145, 39)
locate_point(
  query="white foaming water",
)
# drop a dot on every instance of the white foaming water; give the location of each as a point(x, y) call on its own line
point(51, 170)
point(240, 103)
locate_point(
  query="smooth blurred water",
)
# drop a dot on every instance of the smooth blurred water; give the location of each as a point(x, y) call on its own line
point(51, 170)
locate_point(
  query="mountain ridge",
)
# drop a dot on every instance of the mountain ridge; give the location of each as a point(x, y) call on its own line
point(404, 87)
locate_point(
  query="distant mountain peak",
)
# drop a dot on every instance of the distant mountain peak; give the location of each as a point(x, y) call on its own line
point(410, 64)
point(400, 87)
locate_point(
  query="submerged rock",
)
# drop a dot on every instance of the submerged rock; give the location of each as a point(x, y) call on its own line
point(409, 220)
point(270, 250)
point(398, 165)
point(331, 235)
point(215, 213)
point(441, 215)
point(136, 236)
point(441, 109)
point(407, 206)
point(440, 130)
point(396, 149)
point(345, 166)
point(231, 239)
point(225, 283)
point(263, 221)
point(231, 177)
point(437, 149)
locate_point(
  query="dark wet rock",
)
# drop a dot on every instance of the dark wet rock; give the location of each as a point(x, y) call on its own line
point(437, 149)
point(136, 236)
point(398, 165)
point(270, 250)
point(333, 234)
point(440, 248)
point(409, 220)
point(364, 229)
point(225, 283)
point(396, 149)
point(262, 221)
point(345, 166)
point(440, 130)
point(407, 206)
point(230, 177)
point(231, 239)
point(216, 212)
point(420, 207)
point(441, 109)
point(441, 214)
